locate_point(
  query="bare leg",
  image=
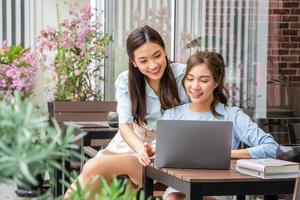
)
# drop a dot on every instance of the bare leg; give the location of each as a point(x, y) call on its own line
point(175, 196)
point(108, 166)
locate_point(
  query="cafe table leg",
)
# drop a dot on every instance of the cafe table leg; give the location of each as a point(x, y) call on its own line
point(58, 186)
point(147, 184)
point(193, 194)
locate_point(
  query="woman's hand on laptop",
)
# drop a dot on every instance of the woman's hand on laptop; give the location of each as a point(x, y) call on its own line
point(144, 154)
point(150, 150)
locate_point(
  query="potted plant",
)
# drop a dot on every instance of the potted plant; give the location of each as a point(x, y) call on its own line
point(17, 71)
point(29, 147)
point(74, 54)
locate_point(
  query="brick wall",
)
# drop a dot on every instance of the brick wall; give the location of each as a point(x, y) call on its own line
point(284, 41)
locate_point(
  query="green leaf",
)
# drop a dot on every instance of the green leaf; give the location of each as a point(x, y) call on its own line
point(27, 174)
point(28, 145)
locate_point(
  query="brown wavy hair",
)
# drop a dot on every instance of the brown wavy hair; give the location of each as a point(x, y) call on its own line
point(168, 90)
point(215, 63)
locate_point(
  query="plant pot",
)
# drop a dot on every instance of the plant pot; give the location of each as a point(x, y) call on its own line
point(29, 190)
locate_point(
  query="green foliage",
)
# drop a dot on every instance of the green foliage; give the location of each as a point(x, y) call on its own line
point(118, 190)
point(10, 54)
point(28, 145)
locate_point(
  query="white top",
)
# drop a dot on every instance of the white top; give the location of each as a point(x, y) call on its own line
point(154, 112)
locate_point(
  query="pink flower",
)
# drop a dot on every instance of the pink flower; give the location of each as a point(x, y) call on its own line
point(86, 13)
point(84, 33)
point(54, 89)
point(63, 79)
point(19, 75)
point(80, 44)
point(7, 96)
point(3, 84)
point(11, 72)
point(82, 37)
point(29, 57)
point(66, 43)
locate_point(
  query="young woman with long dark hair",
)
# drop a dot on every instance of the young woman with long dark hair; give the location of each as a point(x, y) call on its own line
point(204, 82)
point(151, 85)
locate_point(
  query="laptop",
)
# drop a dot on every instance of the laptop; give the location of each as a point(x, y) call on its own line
point(193, 144)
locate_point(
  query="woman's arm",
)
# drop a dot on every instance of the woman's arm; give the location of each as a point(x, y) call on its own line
point(130, 136)
point(261, 144)
point(240, 153)
point(126, 119)
point(134, 142)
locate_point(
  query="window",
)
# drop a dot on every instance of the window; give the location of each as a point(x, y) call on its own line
point(121, 17)
point(236, 29)
point(17, 22)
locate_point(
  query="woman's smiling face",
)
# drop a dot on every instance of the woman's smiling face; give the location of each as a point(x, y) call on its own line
point(150, 58)
point(200, 84)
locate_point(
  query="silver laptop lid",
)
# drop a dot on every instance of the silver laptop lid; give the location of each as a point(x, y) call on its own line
point(193, 144)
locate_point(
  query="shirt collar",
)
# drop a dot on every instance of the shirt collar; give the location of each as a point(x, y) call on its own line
point(149, 91)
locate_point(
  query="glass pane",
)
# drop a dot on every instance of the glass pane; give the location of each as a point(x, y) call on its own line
point(129, 14)
point(236, 29)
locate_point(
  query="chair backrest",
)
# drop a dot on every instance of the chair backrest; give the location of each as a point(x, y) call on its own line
point(294, 133)
point(72, 111)
point(296, 195)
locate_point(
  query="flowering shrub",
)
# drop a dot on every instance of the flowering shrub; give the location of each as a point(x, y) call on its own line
point(79, 48)
point(17, 71)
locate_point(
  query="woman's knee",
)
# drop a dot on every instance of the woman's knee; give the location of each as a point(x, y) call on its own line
point(91, 169)
point(135, 170)
point(108, 166)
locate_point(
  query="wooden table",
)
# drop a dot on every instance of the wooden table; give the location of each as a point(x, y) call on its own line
point(198, 183)
point(97, 134)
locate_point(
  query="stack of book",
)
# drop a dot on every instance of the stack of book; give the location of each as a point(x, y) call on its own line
point(268, 168)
